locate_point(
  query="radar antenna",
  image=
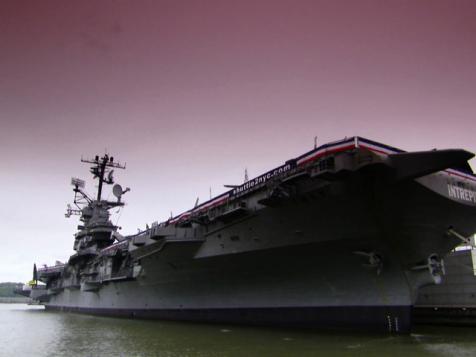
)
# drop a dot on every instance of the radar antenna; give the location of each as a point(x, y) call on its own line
point(118, 191)
point(101, 167)
point(80, 197)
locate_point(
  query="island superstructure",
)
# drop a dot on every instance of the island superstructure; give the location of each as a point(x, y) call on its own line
point(342, 236)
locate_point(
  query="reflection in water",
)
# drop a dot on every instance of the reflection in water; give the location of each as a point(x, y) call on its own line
point(29, 331)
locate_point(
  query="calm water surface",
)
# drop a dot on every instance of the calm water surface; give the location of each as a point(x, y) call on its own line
point(31, 331)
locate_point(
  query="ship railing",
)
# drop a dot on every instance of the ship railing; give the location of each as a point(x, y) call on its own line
point(112, 249)
point(51, 270)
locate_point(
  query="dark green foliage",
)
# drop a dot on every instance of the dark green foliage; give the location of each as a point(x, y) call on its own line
point(6, 289)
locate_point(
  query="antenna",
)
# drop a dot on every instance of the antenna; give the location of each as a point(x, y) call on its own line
point(246, 175)
point(315, 142)
point(196, 202)
point(70, 211)
point(78, 183)
point(110, 178)
point(80, 197)
point(118, 191)
point(101, 167)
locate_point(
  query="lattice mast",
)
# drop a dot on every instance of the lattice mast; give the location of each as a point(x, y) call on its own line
point(102, 169)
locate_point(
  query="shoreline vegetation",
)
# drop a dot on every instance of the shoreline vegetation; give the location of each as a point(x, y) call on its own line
point(8, 296)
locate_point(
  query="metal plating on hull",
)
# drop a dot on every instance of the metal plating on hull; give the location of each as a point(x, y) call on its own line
point(340, 237)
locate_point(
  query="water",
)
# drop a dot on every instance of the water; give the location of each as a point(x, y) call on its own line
point(31, 331)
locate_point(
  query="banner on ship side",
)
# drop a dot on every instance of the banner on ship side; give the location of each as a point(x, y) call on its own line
point(249, 185)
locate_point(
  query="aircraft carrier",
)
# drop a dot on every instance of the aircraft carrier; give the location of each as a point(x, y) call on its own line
point(341, 237)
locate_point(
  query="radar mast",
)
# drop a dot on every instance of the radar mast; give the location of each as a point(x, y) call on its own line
point(101, 167)
point(97, 231)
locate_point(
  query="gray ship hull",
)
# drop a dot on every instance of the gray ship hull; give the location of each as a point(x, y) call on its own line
point(341, 238)
point(454, 301)
point(312, 277)
point(282, 287)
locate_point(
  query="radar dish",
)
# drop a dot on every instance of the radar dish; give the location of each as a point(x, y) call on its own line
point(78, 182)
point(117, 190)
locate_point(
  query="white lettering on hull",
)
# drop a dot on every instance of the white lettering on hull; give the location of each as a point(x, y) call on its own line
point(461, 193)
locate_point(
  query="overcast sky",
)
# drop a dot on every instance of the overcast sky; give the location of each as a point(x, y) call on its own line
point(190, 93)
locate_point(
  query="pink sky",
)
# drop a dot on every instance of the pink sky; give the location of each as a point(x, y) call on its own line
point(190, 93)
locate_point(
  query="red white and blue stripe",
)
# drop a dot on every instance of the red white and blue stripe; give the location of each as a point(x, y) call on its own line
point(346, 144)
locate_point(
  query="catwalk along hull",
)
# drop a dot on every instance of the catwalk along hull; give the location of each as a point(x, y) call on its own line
point(344, 243)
